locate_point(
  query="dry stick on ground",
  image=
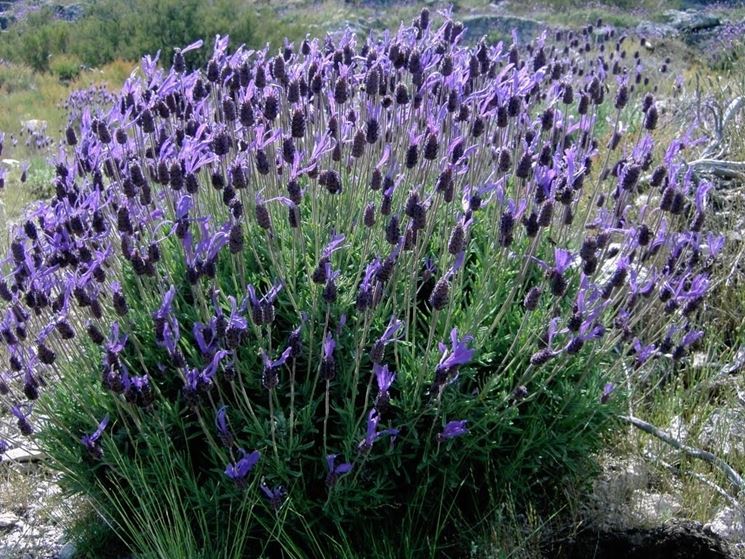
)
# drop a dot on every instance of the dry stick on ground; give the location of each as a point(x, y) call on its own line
point(721, 117)
point(712, 157)
point(721, 168)
point(704, 455)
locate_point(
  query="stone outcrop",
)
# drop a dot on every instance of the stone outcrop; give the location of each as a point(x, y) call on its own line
point(501, 26)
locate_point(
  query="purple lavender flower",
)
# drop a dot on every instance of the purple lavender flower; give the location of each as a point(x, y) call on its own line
point(384, 378)
point(328, 361)
point(451, 360)
point(562, 261)
point(335, 471)
point(223, 429)
point(137, 390)
point(643, 352)
point(452, 430)
point(607, 391)
point(166, 325)
point(270, 377)
point(335, 244)
point(236, 325)
point(91, 441)
point(388, 336)
point(372, 433)
point(275, 496)
point(24, 426)
point(239, 471)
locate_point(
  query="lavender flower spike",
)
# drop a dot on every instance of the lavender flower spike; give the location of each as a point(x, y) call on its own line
point(336, 243)
point(335, 471)
point(91, 441)
point(275, 496)
point(270, 376)
point(391, 330)
point(328, 363)
point(240, 470)
point(373, 434)
point(452, 430)
point(223, 430)
point(458, 355)
point(607, 391)
point(389, 335)
point(384, 377)
point(562, 260)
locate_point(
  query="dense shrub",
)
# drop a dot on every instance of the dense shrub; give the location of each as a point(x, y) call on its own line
point(111, 29)
point(340, 299)
point(65, 67)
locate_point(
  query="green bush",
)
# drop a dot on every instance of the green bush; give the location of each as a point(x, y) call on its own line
point(342, 299)
point(173, 452)
point(65, 67)
point(112, 29)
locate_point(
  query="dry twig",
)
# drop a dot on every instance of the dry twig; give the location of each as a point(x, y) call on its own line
point(693, 452)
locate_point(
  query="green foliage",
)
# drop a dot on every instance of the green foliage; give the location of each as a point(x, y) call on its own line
point(160, 480)
point(65, 67)
point(436, 490)
point(112, 29)
point(15, 78)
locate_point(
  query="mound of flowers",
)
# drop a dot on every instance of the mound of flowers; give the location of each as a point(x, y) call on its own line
point(294, 301)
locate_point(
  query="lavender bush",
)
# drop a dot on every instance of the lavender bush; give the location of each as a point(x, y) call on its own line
point(299, 300)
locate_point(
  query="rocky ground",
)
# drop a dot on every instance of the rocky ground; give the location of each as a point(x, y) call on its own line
point(32, 510)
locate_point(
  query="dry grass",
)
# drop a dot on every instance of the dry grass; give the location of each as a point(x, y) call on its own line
point(26, 95)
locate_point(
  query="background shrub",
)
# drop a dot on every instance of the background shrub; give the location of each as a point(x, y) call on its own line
point(111, 30)
point(65, 67)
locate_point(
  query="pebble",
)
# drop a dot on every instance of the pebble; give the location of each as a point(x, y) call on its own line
point(7, 521)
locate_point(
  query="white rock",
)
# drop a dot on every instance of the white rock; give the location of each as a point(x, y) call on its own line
point(26, 454)
point(8, 520)
point(730, 524)
point(724, 431)
point(678, 428)
point(655, 507)
point(655, 449)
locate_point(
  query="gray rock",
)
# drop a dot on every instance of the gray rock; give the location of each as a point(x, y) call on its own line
point(649, 29)
point(24, 455)
point(68, 551)
point(691, 21)
point(724, 430)
point(657, 449)
point(655, 507)
point(8, 521)
point(501, 26)
point(729, 523)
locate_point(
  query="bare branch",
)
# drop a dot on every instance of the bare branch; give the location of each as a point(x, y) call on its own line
point(721, 168)
point(732, 109)
point(704, 455)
